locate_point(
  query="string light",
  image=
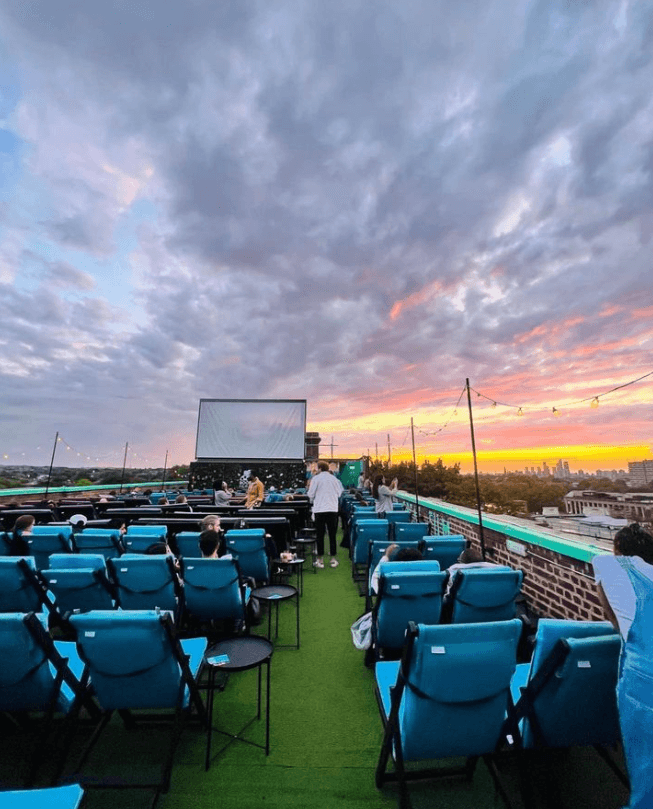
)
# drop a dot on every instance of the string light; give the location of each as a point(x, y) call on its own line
point(594, 402)
point(556, 412)
point(520, 411)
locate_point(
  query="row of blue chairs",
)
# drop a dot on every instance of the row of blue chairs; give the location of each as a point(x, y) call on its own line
point(458, 692)
point(213, 589)
point(415, 592)
point(121, 661)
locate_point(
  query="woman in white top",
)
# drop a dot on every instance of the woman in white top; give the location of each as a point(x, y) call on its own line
point(382, 494)
point(625, 583)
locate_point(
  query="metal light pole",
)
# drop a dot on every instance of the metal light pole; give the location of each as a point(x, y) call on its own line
point(54, 449)
point(478, 491)
point(412, 430)
point(124, 464)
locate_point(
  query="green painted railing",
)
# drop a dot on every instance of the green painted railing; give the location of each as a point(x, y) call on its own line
point(31, 490)
point(582, 551)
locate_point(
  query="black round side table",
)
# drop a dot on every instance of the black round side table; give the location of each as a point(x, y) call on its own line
point(274, 594)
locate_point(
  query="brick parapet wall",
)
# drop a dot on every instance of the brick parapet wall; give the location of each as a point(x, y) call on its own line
point(556, 585)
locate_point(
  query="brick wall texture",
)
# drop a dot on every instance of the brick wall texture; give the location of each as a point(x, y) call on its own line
point(555, 585)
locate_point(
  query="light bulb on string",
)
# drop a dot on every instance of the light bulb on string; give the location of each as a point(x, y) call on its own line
point(556, 412)
point(494, 404)
point(520, 412)
point(594, 402)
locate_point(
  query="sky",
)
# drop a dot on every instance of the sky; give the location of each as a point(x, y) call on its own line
point(358, 204)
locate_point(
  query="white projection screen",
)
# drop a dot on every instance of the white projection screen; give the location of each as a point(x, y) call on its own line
point(251, 429)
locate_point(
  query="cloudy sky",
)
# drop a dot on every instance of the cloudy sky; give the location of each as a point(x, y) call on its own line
point(360, 204)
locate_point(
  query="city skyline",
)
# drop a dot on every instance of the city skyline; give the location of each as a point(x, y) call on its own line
point(357, 205)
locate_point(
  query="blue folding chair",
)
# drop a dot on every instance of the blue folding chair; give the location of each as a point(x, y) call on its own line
point(21, 589)
point(146, 582)
point(247, 546)
point(447, 697)
point(80, 589)
point(365, 531)
point(34, 677)
point(566, 696)
point(395, 517)
point(484, 594)
point(408, 591)
point(134, 661)
point(411, 531)
point(445, 551)
point(65, 561)
point(48, 539)
point(106, 541)
point(214, 591)
point(67, 797)
point(188, 544)
point(139, 537)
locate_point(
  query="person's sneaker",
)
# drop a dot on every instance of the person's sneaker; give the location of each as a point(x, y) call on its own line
point(318, 563)
point(334, 562)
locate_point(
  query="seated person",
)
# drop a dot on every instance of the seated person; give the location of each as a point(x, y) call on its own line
point(22, 528)
point(212, 545)
point(274, 496)
point(469, 558)
point(394, 555)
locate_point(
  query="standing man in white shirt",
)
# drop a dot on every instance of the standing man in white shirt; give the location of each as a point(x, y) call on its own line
point(324, 493)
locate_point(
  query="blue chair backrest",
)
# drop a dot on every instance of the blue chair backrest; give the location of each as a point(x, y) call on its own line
point(144, 582)
point(484, 594)
point(94, 561)
point(445, 551)
point(17, 593)
point(99, 540)
point(459, 680)
point(376, 551)
point(139, 537)
point(52, 528)
point(80, 588)
point(44, 543)
point(131, 659)
point(367, 531)
point(410, 531)
point(188, 543)
point(26, 681)
point(407, 592)
point(396, 517)
point(247, 546)
point(212, 589)
point(576, 705)
point(4, 544)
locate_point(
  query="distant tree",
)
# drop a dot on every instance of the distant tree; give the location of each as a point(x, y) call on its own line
point(83, 482)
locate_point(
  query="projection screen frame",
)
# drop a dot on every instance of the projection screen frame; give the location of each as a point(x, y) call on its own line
point(251, 459)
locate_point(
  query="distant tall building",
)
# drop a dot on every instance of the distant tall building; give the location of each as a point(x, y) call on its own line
point(312, 446)
point(640, 473)
point(545, 469)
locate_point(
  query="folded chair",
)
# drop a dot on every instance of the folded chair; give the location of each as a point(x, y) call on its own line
point(484, 594)
point(134, 661)
point(447, 697)
point(106, 541)
point(566, 695)
point(146, 582)
point(408, 591)
point(247, 546)
point(34, 677)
